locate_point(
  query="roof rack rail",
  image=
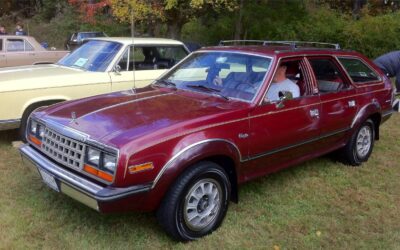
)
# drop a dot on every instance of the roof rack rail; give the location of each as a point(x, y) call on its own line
point(234, 42)
point(292, 44)
point(297, 44)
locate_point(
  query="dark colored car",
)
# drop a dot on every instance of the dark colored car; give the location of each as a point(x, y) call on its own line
point(183, 145)
point(76, 39)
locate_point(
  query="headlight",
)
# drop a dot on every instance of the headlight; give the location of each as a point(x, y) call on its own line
point(109, 163)
point(33, 127)
point(41, 131)
point(93, 156)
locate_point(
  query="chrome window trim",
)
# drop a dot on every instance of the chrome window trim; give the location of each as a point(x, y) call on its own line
point(170, 161)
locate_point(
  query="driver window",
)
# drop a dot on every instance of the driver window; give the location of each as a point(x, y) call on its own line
point(288, 81)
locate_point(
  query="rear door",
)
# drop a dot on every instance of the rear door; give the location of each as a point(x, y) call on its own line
point(19, 52)
point(338, 100)
point(140, 65)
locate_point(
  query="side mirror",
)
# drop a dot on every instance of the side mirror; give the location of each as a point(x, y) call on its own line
point(283, 96)
point(117, 69)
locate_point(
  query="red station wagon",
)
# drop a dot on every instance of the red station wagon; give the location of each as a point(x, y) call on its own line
point(219, 118)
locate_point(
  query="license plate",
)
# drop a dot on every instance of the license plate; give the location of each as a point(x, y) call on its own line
point(49, 180)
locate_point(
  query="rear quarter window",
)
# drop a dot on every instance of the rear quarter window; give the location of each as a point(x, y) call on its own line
point(359, 71)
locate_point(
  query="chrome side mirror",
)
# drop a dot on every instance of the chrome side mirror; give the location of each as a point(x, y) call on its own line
point(117, 69)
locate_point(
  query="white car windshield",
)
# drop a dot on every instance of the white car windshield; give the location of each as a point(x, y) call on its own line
point(92, 56)
point(227, 74)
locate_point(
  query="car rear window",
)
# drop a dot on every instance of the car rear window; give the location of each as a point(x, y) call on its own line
point(358, 70)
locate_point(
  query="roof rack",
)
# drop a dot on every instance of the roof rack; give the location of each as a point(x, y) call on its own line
point(292, 44)
point(235, 42)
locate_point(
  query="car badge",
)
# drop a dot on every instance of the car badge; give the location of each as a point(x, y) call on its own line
point(73, 117)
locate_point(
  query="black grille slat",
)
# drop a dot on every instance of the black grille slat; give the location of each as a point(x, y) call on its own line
point(62, 149)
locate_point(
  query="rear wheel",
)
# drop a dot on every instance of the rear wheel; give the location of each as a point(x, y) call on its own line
point(197, 202)
point(360, 145)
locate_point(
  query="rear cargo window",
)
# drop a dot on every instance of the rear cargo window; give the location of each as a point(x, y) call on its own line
point(359, 71)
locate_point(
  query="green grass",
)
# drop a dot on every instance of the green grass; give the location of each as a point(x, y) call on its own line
point(319, 204)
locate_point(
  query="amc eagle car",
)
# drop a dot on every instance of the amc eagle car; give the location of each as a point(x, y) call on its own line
point(183, 145)
point(99, 66)
point(25, 50)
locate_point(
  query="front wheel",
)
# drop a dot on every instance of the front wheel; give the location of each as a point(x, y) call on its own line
point(196, 203)
point(360, 145)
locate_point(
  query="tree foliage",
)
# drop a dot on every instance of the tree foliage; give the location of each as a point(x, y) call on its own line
point(174, 13)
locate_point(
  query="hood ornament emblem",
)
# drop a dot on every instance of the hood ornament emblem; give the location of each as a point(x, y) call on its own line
point(73, 117)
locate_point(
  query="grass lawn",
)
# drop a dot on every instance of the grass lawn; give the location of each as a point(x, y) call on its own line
point(319, 204)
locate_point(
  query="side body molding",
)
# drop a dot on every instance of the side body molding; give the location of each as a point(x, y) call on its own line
point(196, 152)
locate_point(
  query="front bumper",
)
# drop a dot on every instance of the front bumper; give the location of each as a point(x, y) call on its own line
point(9, 124)
point(75, 186)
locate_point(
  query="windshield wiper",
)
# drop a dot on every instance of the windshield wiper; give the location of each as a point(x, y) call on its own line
point(166, 83)
point(208, 89)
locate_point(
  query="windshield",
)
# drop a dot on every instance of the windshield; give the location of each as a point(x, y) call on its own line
point(92, 56)
point(228, 74)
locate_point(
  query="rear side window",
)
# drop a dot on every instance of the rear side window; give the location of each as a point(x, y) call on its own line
point(358, 70)
point(18, 45)
point(329, 77)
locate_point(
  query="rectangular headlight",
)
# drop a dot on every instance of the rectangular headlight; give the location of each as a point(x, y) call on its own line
point(109, 163)
point(33, 128)
point(93, 156)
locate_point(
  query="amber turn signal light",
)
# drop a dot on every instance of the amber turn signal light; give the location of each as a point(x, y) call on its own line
point(35, 140)
point(140, 168)
point(98, 173)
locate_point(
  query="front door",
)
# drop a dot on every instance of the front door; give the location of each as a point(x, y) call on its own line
point(283, 132)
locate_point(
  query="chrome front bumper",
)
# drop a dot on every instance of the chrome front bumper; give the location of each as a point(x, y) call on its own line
point(75, 186)
point(9, 124)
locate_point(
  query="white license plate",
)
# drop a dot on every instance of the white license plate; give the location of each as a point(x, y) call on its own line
point(49, 180)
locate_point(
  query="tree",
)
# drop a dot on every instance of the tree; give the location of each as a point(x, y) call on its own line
point(174, 13)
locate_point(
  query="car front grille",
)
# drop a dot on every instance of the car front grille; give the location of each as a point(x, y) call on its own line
point(62, 149)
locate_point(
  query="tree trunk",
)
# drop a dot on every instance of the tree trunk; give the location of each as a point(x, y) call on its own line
point(174, 29)
point(239, 22)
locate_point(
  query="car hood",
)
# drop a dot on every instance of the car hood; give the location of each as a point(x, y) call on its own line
point(122, 117)
point(43, 76)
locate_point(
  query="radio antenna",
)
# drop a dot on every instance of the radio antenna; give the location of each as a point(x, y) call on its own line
point(133, 51)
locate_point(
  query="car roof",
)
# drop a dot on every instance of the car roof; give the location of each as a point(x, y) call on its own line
point(139, 40)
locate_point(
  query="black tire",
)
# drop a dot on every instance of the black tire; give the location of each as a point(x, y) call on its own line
point(171, 214)
point(355, 154)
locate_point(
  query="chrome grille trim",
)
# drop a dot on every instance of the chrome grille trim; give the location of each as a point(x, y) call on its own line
point(67, 151)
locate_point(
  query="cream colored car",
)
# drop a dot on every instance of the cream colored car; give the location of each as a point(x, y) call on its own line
point(25, 50)
point(99, 66)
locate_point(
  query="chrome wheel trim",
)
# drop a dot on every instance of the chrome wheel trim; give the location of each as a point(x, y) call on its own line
point(202, 204)
point(364, 141)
